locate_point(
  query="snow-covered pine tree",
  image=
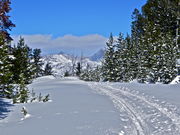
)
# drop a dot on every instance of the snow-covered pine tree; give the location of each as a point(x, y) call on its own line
point(5, 72)
point(109, 63)
point(85, 74)
point(78, 68)
point(5, 56)
point(163, 13)
point(169, 51)
point(136, 33)
point(160, 27)
point(143, 58)
point(91, 74)
point(37, 62)
point(127, 60)
point(22, 92)
point(48, 69)
point(118, 56)
point(22, 63)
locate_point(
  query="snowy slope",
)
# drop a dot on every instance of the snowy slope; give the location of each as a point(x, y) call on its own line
point(91, 108)
point(74, 110)
point(63, 62)
point(145, 109)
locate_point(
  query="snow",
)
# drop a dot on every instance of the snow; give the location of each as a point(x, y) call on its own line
point(95, 108)
point(62, 62)
point(26, 117)
point(176, 80)
point(75, 109)
point(145, 109)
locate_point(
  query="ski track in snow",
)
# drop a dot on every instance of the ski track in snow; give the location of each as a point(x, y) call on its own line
point(140, 113)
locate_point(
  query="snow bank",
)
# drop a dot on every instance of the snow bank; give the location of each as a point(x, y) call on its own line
point(49, 77)
point(176, 80)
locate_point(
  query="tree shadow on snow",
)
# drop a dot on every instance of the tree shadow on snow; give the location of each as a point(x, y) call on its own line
point(4, 108)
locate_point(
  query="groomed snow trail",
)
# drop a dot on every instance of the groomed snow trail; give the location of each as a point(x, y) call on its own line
point(141, 114)
point(74, 110)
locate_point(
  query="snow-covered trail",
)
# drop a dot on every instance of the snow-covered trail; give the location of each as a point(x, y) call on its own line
point(89, 108)
point(75, 110)
point(142, 114)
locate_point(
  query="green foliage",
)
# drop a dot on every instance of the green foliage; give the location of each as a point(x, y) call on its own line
point(40, 97)
point(5, 73)
point(48, 69)
point(66, 74)
point(90, 74)
point(24, 111)
point(22, 62)
point(78, 69)
point(18, 66)
point(108, 68)
point(46, 98)
point(37, 62)
point(5, 55)
point(22, 92)
point(150, 53)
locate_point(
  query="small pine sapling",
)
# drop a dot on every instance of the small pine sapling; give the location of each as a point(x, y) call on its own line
point(24, 111)
point(33, 96)
point(40, 97)
point(46, 98)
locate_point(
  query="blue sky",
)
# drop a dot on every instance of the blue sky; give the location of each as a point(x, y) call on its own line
point(55, 21)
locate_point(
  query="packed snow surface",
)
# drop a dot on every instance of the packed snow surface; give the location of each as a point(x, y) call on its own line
point(90, 108)
point(176, 80)
point(74, 110)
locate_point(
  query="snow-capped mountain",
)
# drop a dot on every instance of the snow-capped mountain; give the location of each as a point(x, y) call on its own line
point(98, 55)
point(63, 62)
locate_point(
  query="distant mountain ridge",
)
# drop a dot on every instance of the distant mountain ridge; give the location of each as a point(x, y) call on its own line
point(63, 62)
point(98, 55)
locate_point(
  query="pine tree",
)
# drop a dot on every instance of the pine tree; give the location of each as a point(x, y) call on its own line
point(108, 65)
point(5, 22)
point(22, 62)
point(48, 69)
point(22, 92)
point(78, 69)
point(162, 13)
point(5, 56)
point(37, 62)
point(169, 57)
point(118, 56)
point(137, 31)
point(5, 72)
point(91, 74)
point(66, 74)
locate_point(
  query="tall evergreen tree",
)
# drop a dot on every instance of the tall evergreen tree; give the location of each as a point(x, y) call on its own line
point(5, 22)
point(108, 65)
point(22, 62)
point(5, 56)
point(78, 69)
point(37, 62)
point(118, 56)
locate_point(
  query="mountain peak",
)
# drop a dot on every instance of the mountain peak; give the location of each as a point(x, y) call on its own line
point(98, 55)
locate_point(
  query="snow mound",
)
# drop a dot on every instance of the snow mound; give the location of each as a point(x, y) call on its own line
point(176, 80)
point(49, 77)
point(26, 117)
